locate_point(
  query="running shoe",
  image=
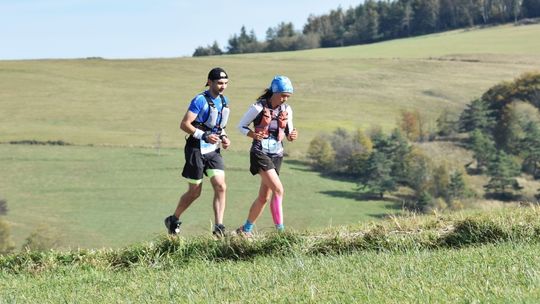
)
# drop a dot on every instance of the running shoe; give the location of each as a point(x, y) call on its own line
point(219, 230)
point(247, 234)
point(172, 224)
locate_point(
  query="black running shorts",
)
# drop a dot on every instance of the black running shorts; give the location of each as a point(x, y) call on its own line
point(260, 161)
point(197, 163)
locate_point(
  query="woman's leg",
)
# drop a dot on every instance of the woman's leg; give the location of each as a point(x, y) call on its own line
point(271, 179)
point(270, 183)
point(259, 203)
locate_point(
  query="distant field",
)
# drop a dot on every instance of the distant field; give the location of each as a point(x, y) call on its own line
point(132, 102)
point(112, 189)
point(111, 197)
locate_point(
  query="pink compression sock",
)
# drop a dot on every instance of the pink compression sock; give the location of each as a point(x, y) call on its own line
point(277, 211)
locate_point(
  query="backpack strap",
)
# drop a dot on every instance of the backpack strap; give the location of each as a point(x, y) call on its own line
point(258, 119)
point(211, 105)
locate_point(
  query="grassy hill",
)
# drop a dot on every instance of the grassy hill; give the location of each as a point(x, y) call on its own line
point(112, 188)
point(113, 196)
point(469, 257)
point(131, 102)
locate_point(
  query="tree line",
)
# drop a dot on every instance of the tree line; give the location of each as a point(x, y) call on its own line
point(501, 129)
point(504, 129)
point(374, 21)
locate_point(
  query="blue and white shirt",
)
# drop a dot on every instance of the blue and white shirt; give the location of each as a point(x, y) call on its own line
point(200, 106)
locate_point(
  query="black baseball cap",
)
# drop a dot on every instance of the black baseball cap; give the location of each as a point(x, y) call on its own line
point(216, 74)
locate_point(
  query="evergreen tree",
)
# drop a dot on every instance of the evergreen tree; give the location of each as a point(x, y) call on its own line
point(398, 151)
point(369, 26)
point(377, 178)
point(531, 8)
point(447, 124)
point(483, 149)
point(407, 18)
point(530, 149)
point(508, 131)
point(210, 50)
point(476, 115)
point(244, 43)
point(456, 187)
point(447, 15)
point(426, 16)
point(502, 171)
point(425, 201)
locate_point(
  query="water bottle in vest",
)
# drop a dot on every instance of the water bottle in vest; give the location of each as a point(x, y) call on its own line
point(212, 117)
point(224, 117)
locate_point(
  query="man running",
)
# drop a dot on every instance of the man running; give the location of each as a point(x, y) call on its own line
point(205, 121)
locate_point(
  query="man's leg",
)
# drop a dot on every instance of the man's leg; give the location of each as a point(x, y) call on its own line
point(173, 222)
point(193, 192)
point(217, 179)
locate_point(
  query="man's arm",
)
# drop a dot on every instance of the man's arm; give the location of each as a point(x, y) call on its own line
point(187, 127)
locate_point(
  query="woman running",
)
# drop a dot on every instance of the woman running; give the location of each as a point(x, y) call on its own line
point(272, 120)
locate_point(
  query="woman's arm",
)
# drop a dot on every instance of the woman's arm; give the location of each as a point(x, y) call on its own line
point(293, 134)
point(247, 119)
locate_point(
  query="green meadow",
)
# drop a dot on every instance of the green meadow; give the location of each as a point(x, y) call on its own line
point(457, 258)
point(507, 273)
point(120, 177)
point(140, 102)
point(95, 197)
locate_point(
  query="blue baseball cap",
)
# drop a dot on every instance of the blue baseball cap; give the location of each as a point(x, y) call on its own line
point(281, 84)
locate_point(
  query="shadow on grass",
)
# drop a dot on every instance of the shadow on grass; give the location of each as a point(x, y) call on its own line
point(304, 166)
point(299, 165)
point(361, 196)
point(390, 202)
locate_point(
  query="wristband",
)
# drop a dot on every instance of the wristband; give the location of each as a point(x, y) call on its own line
point(198, 134)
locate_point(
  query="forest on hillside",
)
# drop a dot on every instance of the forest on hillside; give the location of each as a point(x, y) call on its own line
point(501, 129)
point(374, 21)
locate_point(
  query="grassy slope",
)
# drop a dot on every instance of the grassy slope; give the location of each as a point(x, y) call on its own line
point(479, 258)
point(129, 102)
point(507, 273)
point(110, 196)
point(88, 192)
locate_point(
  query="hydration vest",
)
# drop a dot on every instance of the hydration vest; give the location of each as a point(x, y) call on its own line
point(265, 117)
point(211, 122)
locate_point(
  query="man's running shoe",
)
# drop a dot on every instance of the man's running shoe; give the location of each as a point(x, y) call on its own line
point(172, 224)
point(219, 230)
point(247, 234)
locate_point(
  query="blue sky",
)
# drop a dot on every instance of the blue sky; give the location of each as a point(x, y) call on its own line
point(33, 29)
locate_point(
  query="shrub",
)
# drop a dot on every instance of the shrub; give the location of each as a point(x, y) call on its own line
point(41, 239)
point(3, 206)
point(6, 244)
